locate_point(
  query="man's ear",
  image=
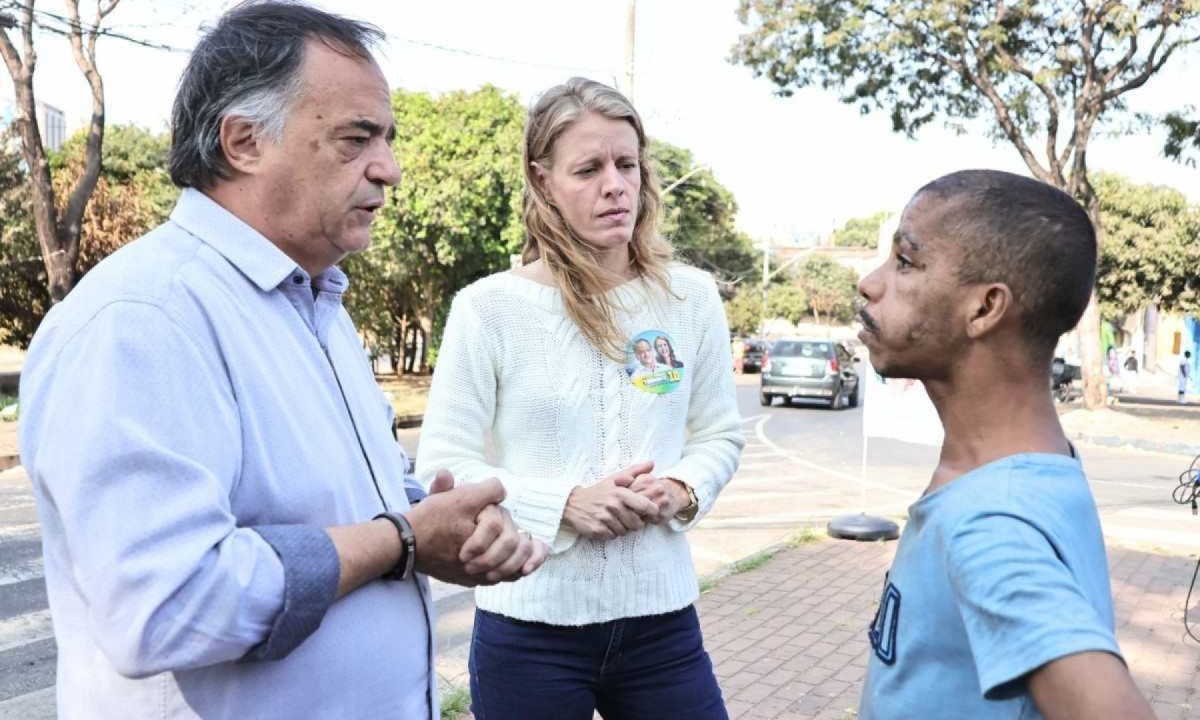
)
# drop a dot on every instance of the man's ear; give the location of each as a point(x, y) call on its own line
point(989, 306)
point(241, 143)
point(542, 177)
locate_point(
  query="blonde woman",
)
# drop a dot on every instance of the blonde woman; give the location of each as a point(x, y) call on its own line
point(611, 473)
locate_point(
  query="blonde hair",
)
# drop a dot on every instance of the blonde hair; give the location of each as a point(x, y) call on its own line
point(572, 262)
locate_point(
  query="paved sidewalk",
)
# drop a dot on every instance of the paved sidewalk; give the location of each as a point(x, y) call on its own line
point(789, 638)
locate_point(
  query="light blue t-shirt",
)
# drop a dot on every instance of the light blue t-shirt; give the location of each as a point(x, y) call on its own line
point(997, 573)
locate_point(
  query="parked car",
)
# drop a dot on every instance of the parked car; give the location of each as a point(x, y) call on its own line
point(809, 368)
point(752, 357)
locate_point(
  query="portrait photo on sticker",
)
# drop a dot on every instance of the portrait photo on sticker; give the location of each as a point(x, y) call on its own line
point(651, 363)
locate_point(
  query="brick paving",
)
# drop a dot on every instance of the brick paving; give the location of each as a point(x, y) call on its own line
point(789, 640)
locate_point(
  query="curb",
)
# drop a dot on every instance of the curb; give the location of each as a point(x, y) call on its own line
point(769, 552)
point(408, 421)
point(1116, 441)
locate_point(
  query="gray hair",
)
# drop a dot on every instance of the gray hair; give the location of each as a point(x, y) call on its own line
point(249, 65)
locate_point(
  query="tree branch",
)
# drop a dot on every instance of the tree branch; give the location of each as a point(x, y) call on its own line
point(12, 59)
point(1152, 65)
point(1047, 92)
point(86, 60)
point(982, 81)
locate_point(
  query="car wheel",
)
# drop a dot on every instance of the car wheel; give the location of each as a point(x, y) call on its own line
point(835, 402)
point(765, 400)
point(853, 399)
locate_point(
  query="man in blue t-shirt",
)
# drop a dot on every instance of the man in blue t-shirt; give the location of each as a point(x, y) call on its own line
point(998, 602)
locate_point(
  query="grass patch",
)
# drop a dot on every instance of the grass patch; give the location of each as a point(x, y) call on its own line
point(407, 393)
point(5, 401)
point(753, 562)
point(707, 585)
point(456, 701)
point(804, 536)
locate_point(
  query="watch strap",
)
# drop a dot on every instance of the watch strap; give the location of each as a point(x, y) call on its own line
point(408, 546)
point(688, 513)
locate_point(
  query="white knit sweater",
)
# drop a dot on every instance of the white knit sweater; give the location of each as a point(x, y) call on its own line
point(519, 394)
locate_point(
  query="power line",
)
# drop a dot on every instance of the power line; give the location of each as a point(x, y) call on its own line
point(102, 31)
point(497, 58)
point(110, 31)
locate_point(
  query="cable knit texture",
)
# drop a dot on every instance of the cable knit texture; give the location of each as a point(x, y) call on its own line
point(519, 394)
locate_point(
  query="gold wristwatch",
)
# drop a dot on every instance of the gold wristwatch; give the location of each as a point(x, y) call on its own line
point(688, 513)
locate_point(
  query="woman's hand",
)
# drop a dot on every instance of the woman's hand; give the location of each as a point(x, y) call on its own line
point(610, 509)
point(668, 495)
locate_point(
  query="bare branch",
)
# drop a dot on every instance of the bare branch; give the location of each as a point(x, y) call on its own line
point(86, 60)
point(1152, 65)
point(1046, 91)
point(29, 53)
point(983, 82)
point(1083, 105)
point(12, 59)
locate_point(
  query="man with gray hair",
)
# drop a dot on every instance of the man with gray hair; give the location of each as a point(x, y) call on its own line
point(229, 528)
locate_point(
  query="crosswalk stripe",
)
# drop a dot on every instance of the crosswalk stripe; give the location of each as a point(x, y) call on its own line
point(30, 569)
point(24, 629)
point(37, 705)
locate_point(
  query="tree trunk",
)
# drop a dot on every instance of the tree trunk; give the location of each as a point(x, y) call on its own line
point(1091, 358)
point(1091, 355)
point(397, 343)
point(424, 332)
point(410, 348)
point(1150, 333)
point(61, 260)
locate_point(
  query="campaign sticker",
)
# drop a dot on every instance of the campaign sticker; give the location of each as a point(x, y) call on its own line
point(651, 364)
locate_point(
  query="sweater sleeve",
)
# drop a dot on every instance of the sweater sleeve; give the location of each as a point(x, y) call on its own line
point(458, 420)
point(715, 439)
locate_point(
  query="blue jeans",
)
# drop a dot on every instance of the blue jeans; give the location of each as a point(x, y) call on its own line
point(644, 668)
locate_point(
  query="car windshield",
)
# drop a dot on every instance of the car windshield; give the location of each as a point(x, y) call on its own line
point(800, 348)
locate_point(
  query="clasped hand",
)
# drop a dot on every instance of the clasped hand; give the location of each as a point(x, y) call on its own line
point(465, 537)
point(623, 502)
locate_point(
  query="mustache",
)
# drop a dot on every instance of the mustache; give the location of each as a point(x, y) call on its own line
point(868, 321)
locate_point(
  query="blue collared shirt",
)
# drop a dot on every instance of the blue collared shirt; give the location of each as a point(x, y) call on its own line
point(192, 416)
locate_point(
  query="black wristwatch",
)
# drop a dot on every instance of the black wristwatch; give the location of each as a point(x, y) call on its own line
point(408, 546)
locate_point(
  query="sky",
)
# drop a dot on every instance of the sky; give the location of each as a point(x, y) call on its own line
point(798, 166)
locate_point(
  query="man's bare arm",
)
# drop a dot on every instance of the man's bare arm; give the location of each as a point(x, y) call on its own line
point(1087, 686)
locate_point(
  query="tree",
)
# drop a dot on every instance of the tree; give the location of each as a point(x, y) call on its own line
point(1151, 249)
point(860, 231)
point(23, 295)
point(832, 289)
point(455, 217)
point(1046, 74)
point(1183, 137)
point(744, 311)
point(58, 224)
point(132, 195)
point(788, 301)
point(698, 217)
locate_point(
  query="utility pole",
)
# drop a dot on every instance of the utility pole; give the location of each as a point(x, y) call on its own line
point(630, 47)
point(766, 248)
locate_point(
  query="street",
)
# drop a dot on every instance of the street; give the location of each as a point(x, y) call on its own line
point(802, 465)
